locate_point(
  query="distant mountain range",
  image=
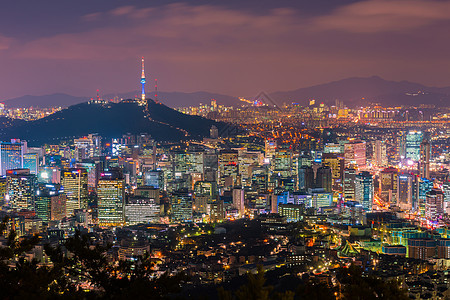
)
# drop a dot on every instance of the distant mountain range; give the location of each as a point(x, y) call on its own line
point(363, 90)
point(353, 92)
point(45, 101)
point(111, 120)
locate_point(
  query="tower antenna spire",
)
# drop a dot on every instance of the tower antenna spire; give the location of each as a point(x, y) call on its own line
point(156, 90)
point(143, 80)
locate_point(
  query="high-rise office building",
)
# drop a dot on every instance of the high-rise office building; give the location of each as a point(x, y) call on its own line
point(238, 201)
point(349, 184)
point(364, 190)
point(388, 181)
point(424, 163)
point(446, 191)
point(281, 162)
point(31, 162)
point(379, 157)
point(413, 139)
point(270, 148)
point(336, 163)
point(182, 206)
point(154, 178)
point(405, 191)
point(11, 155)
point(141, 210)
point(50, 202)
point(247, 160)
point(355, 154)
point(84, 148)
point(434, 206)
point(21, 188)
point(324, 178)
point(210, 166)
point(228, 168)
point(421, 187)
point(75, 184)
point(320, 198)
point(111, 197)
point(306, 178)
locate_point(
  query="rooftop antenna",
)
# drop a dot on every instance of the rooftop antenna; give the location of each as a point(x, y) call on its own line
point(156, 90)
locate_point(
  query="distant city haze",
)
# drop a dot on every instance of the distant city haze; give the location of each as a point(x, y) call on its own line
point(225, 47)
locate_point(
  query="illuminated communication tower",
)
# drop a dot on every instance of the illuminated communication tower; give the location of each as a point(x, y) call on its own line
point(143, 81)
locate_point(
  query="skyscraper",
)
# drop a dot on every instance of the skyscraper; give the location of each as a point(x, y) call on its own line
point(388, 185)
point(349, 184)
point(424, 163)
point(405, 191)
point(21, 188)
point(412, 145)
point(364, 190)
point(281, 162)
point(434, 206)
point(238, 201)
point(379, 158)
point(111, 197)
point(50, 202)
point(336, 163)
point(355, 154)
point(11, 155)
point(228, 168)
point(182, 206)
point(75, 183)
point(305, 178)
point(31, 162)
point(323, 178)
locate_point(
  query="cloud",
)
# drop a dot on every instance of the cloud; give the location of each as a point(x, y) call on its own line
point(374, 16)
point(175, 31)
point(230, 51)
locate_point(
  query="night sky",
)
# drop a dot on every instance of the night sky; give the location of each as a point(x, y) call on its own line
point(228, 47)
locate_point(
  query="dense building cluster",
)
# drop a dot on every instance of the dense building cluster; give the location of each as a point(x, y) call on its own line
point(218, 208)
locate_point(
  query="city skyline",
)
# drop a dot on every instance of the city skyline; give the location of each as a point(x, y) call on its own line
point(230, 48)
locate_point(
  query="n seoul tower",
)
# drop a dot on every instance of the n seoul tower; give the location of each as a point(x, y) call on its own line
point(143, 80)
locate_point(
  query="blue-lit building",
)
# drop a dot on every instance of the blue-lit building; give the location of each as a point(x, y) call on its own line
point(364, 190)
point(421, 188)
point(413, 140)
point(154, 178)
point(31, 162)
point(11, 155)
point(182, 206)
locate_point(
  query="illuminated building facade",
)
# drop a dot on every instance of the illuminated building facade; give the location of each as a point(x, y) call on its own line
point(355, 154)
point(31, 162)
point(50, 202)
point(405, 191)
point(413, 140)
point(21, 188)
point(11, 155)
point(141, 210)
point(364, 190)
point(111, 197)
point(434, 206)
point(424, 163)
point(75, 183)
point(388, 185)
point(182, 206)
